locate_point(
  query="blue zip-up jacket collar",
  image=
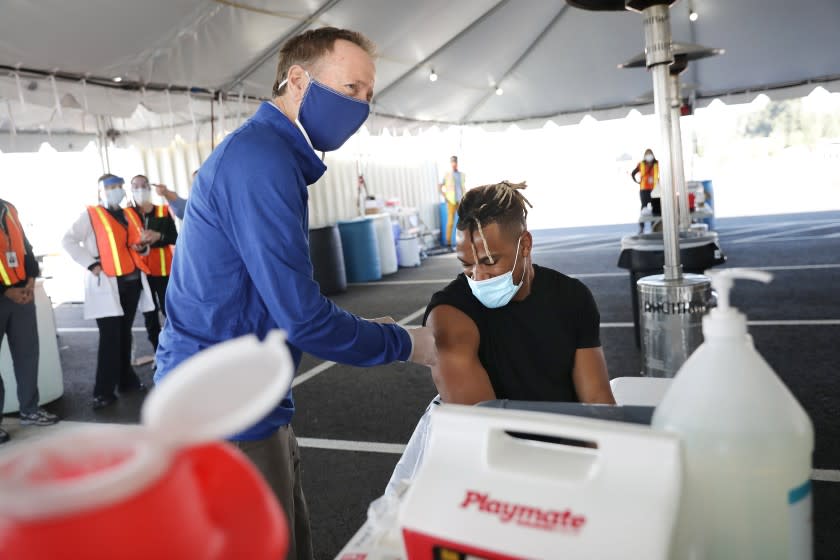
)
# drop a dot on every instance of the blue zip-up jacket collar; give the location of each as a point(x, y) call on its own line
point(310, 164)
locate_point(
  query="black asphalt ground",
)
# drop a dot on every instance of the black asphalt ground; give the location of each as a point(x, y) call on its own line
point(798, 333)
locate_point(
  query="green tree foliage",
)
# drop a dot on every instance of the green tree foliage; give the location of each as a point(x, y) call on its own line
point(790, 121)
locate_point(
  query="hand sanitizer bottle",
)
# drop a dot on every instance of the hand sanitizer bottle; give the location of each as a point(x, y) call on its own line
point(747, 445)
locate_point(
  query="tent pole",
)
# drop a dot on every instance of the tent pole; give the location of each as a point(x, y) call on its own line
point(107, 156)
point(212, 123)
point(677, 165)
point(100, 144)
point(659, 57)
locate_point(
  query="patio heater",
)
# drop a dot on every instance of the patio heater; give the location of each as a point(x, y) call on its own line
point(683, 54)
point(670, 305)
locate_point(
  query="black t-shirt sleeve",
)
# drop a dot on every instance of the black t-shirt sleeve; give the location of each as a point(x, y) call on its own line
point(589, 319)
point(458, 295)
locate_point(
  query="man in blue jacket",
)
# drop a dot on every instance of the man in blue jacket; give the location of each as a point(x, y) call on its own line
point(242, 264)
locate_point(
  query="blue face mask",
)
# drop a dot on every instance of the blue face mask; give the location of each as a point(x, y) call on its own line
point(497, 291)
point(329, 117)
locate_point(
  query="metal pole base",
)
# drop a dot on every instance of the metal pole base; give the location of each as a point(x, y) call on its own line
point(670, 320)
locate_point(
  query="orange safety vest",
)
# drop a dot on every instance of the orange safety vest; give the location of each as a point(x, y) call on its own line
point(159, 259)
point(12, 242)
point(114, 241)
point(650, 175)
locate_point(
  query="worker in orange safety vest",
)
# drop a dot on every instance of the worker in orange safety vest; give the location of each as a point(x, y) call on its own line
point(18, 321)
point(648, 168)
point(111, 244)
point(161, 234)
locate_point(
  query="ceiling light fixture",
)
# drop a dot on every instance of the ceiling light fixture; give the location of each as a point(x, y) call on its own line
point(117, 79)
point(433, 76)
point(499, 91)
point(693, 15)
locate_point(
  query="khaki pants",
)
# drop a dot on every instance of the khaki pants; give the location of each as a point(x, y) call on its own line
point(451, 209)
point(278, 459)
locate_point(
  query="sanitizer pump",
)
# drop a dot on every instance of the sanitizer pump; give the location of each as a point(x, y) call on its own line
point(747, 445)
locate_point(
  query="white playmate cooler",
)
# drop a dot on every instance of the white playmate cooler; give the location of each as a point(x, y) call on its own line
point(509, 484)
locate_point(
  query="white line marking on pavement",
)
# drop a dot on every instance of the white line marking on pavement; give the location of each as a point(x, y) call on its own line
point(320, 368)
point(791, 239)
point(309, 374)
point(614, 244)
point(769, 225)
point(787, 233)
point(754, 228)
point(408, 318)
point(344, 445)
point(798, 267)
point(575, 244)
point(826, 475)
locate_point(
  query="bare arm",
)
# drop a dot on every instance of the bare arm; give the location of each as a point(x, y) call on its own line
point(589, 375)
point(459, 376)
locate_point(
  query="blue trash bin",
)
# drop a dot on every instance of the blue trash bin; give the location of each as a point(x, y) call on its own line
point(361, 250)
point(443, 215)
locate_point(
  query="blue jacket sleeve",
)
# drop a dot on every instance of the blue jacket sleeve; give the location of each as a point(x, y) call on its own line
point(178, 207)
point(265, 211)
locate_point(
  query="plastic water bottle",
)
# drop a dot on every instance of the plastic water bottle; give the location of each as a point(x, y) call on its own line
point(747, 445)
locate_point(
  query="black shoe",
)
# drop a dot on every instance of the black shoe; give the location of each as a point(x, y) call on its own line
point(4, 436)
point(139, 388)
point(102, 402)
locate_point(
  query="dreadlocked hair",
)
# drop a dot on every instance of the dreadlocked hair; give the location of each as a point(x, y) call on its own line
point(502, 203)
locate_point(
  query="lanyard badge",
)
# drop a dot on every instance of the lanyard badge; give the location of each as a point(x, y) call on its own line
point(12, 259)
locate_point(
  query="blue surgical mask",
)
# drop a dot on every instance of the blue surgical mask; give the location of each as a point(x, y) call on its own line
point(328, 116)
point(497, 291)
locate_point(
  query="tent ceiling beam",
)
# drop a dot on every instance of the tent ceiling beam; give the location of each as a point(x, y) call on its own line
point(271, 51)
point(100, 80)
point(478, 21)
point(519, 61)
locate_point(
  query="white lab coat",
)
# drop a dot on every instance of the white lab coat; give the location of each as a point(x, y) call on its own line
point(102, 297)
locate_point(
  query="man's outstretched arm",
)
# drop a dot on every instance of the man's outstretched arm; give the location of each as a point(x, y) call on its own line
point(459, 376)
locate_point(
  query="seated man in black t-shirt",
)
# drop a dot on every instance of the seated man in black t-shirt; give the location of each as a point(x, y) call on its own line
point(507, 328)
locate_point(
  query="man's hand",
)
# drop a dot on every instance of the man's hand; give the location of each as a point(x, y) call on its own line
point(96, 270)
point(139, 248)
point(165, 192)
point(17, 295)
point(29, 289)
point(150, 236)
point(423, 351)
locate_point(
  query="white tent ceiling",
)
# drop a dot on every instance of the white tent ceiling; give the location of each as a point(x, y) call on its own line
point(551, 60)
